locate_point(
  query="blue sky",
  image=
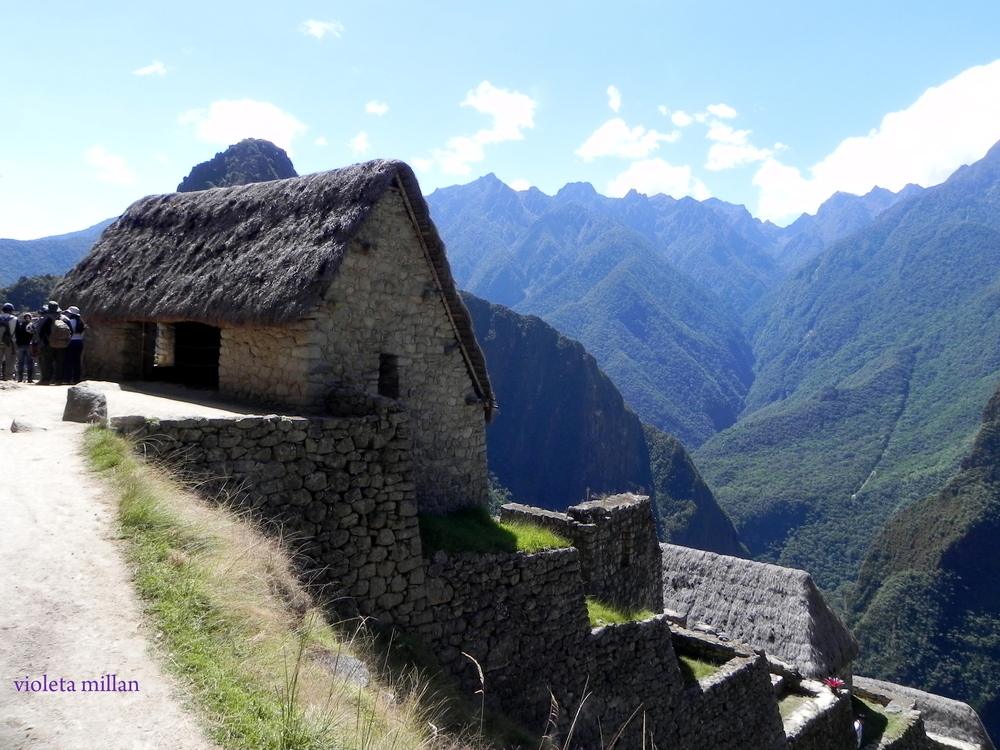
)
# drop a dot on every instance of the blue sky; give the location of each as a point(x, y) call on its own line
point(774, 105)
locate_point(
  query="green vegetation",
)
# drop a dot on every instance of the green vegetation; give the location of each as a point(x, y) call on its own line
point(880, 725)
point(926, 608)
point(473, 530)
point(694, 669)
point(602, 613)
point(686, 511)
point(251, 657)
point(874, 359)
point(29, 293)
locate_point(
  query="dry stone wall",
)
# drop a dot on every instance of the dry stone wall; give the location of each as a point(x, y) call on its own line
point(619, 551)
point(340, 488)
point(384, 328)
point(266, 364)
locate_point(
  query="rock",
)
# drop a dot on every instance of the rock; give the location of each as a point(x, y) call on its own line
point(85, 404)
point(22, 425)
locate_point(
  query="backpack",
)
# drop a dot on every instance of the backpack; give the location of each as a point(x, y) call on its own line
point(6, 341)
point(59, 334)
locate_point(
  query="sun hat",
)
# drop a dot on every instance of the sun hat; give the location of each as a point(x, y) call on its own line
point(73, 310)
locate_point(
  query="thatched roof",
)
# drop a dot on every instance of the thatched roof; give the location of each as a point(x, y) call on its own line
point(942, 716)
point(258, 254)
point(779, 610)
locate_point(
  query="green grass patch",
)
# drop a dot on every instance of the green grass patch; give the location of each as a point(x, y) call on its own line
point(694, 669)
point(234, 625)
point(791, 702)
point(602, 613)
point(473, 530)
point(880, 725)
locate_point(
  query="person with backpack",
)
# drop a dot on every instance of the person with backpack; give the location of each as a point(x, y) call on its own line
point(8, 349)
point(53, 337)
point(74, 352)
point(24, 335)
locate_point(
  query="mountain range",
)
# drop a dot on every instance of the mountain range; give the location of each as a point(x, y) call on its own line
point(828, 377)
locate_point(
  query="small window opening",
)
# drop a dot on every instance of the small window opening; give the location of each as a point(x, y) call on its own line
point(388, 375)
point(626, 549)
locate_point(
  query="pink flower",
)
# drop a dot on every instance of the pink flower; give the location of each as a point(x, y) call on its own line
point(834, 683)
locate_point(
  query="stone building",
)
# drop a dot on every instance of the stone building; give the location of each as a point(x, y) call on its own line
point(315, 294)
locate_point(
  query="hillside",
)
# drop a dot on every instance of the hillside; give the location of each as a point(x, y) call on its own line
point(48, 255)
point(926, 607)
point(873, 359)
point(674, 352)
point(563, 431)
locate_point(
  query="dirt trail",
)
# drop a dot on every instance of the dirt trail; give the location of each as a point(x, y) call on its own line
point(67, 609)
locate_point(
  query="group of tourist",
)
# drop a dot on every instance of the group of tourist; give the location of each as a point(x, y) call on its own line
point(53, 338)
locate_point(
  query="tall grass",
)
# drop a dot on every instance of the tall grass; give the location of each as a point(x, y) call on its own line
point(235, 626)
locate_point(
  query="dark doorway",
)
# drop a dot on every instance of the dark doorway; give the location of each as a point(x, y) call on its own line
point(185, 353)
point(196, 354)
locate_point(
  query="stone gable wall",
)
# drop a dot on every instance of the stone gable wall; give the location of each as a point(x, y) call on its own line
point(385, 301)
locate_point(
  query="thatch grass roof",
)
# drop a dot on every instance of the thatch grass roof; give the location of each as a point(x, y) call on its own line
point(258, 254)
point(943, 716)
point(779, 610)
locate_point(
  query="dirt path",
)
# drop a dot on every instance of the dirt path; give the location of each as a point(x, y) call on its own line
point(67, 609)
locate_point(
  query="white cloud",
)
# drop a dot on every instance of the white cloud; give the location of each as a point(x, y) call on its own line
point(321, 141)
point(652, 176)
point(520, 185)
point(319, 29)
point(154, 68)
point(112, 168)
point(681, 119)
point(722, 110)
point(360, 145)
point(614, 98)
point(728, 156)
point(228, 122)
point(512, 113)
point(422, 165)
point(948, 126)
point(376, 108)
point(615, 138)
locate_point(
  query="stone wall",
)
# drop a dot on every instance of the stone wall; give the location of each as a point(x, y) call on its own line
point(826, 722)
point(114, 351)
point(266, 365)
point(733, 705)
point(383, 328)
point(619, 551)
point(523, 619)
point(339, 488)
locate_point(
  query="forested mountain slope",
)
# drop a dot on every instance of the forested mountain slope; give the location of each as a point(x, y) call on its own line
point(926, 607)
point(48, 255)
point(873, 360)
point(563, 431)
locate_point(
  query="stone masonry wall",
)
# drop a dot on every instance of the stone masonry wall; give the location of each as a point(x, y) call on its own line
point(522, 617)
point(339, 488)
point(619, 551)
point(113, 351)
point(266, 364)
point(383, 325)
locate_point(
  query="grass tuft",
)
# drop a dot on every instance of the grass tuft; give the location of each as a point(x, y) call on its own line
point(473, 530)
point(602, 613)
